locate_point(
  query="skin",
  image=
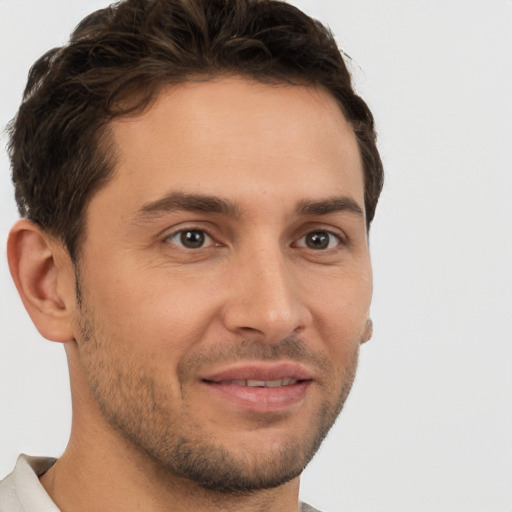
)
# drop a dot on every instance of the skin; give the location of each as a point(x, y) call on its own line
point(157, 319)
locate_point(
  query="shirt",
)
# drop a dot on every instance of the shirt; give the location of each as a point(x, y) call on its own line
point(21, 491)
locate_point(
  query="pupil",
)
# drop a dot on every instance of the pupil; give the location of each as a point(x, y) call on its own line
point(317, 240)
point(192, 239)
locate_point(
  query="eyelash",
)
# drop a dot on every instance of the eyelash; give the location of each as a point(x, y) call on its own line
point(183, 232)
point(339, 240)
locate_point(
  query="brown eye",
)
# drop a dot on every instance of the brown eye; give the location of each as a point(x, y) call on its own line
point(191, 238)
point(319, 240)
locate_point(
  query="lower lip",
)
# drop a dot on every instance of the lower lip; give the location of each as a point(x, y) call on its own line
point(261, 399)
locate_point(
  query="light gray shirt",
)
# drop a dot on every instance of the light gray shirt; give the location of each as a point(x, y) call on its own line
point(21, 491)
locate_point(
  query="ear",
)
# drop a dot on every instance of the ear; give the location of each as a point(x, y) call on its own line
point(44, 276)
point(368, 331)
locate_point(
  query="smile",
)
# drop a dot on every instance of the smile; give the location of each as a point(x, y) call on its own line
point(259, 387)
point(261, 383)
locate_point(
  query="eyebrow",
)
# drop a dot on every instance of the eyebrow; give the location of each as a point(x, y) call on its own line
point(330, 205)
point(201, 203)
point(178, 201)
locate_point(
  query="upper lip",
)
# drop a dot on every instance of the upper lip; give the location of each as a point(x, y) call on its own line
point(266, 371)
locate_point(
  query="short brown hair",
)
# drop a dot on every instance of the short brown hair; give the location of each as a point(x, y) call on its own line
point(58, 146)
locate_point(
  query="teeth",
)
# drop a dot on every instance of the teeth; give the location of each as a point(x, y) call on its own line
point(263, 383)
point(256, 383)
point(273, 383)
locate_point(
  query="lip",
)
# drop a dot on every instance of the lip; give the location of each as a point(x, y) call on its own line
point(223, 385)
point(260, 371)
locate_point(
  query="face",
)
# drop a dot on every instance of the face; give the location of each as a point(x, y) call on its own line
point(225, 280)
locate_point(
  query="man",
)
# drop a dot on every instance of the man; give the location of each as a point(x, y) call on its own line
point(196, 181)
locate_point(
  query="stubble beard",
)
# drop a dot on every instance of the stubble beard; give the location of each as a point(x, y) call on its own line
point(139, 408)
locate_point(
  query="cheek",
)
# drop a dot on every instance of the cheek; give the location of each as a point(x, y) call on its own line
point(345, 289)
point(340, 309)
point(153, 312)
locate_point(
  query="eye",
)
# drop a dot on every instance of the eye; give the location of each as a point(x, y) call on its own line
point(190, 238)
point(319, 240)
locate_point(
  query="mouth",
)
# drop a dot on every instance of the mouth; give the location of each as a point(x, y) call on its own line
point(253, 383)
point(261, 388)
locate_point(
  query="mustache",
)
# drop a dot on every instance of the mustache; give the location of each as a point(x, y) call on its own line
point(292, 349)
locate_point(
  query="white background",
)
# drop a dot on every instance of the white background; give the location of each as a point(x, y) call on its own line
point(428, 426)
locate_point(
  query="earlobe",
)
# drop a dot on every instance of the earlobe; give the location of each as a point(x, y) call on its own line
point(368, 331)
point(41, 280)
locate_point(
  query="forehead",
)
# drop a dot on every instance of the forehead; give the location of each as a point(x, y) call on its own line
point(235, 136)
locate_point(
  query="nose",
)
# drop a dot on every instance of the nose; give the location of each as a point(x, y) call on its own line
point(265, 299)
